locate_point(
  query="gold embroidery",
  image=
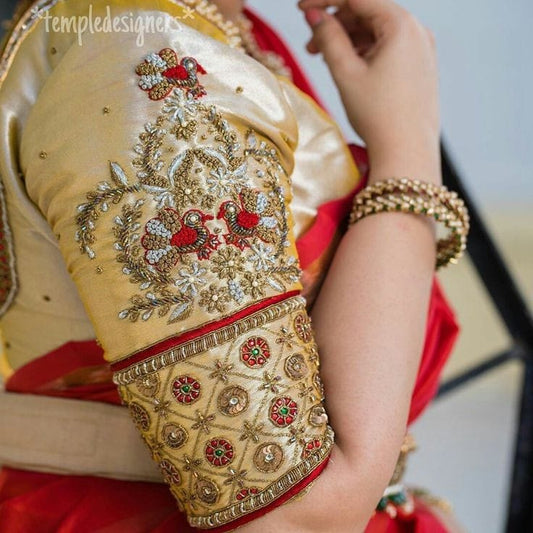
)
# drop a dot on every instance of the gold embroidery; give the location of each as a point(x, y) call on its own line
point(8, 273)
point(227, 425)
point(208, 341)
point(208, 208)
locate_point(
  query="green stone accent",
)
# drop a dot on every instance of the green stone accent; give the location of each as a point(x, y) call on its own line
point(219, 453)
point(284, 410)
point(185, 388)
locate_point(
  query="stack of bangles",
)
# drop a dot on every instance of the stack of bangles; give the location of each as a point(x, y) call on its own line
point(412, 196)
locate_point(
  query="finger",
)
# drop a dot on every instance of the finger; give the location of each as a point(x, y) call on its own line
point(331, 39)
point(361, 8)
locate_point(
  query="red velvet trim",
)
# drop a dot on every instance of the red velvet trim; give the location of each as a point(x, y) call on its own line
point(191, 335)
point(279, 501)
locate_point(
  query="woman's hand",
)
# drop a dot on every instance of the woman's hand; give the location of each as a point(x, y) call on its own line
point(384, 63)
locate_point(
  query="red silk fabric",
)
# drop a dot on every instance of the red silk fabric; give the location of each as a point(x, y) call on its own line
point(31, 501)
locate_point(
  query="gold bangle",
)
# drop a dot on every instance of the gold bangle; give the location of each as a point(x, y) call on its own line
point(412, 196)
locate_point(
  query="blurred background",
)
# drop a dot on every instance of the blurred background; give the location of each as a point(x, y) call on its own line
point(466, 440)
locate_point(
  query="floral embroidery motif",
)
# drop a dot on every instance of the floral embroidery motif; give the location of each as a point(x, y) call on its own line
point(296, 367)
point(162, 72)
point(174, 436)
point(232, 401)
point(255, 352)
point(219, 235)
point(186, 389)
point(302, 326)
point(219, 452)
point(252, 429)
point(245, 493)
point(207, 491)
point(268, 457)
point(283, 411)
point(170, 473)
point(148, 385)
point(310, 447)
point(140, 416)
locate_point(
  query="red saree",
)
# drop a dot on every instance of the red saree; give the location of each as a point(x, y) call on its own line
point(32, 501)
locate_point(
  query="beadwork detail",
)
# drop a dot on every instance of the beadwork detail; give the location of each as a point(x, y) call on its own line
point(232, 401)
point(209, 208)
point(255, 352)
point(245, 493)
point(174, 435)
point(283, 411)
point(296, 367)
point(247, 428)
point(207, 491)
point(302, 327)
point(268, 457)
point(148, 385)
point(140, 416)
point(170, 473)
point(161, 72)
point(310, 447)
point(219, 452)
point(186, 389)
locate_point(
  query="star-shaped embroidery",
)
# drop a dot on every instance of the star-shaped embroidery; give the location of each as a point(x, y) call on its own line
point(251, 431)
point(236, 477)
point(221, 371)
point(271, 382)
point(203, 422)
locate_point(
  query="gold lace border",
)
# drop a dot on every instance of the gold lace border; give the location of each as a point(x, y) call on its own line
point(271, 493)
point(208, 341)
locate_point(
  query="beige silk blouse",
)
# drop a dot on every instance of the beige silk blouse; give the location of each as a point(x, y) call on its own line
point(152, 193)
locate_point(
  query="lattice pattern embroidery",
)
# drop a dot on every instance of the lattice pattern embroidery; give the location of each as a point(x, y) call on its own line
point(206, 228)
point(223, 454)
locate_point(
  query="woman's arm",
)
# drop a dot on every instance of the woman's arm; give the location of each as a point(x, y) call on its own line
point(370, 316)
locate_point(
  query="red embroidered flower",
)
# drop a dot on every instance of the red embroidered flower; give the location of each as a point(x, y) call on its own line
point(302, 326)
point(245, 493)
point(168, 236)
point(283, 411)
point(162, 72)
point(186, 389)
point(255, 352)
point(170, 473)
point(310, 447)
point(219, 452)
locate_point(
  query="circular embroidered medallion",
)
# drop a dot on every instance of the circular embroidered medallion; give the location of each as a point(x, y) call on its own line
point(174, 435)
point(296, 367)
point(302, 327)
point(268, 457)
point(318, 416)
point(310, 447)
point(255, 352)
point(148, 385)
point(232, 401)
point(283, 411)
point(140, 416)
point(171, 474)
point(206, 490)
point(246, 493)
point(186, 389)
point(219, 452)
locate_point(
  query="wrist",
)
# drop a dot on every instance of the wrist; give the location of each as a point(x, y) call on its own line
point(416, 158)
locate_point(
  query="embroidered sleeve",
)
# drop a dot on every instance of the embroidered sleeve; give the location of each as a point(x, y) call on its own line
point(167, 182)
